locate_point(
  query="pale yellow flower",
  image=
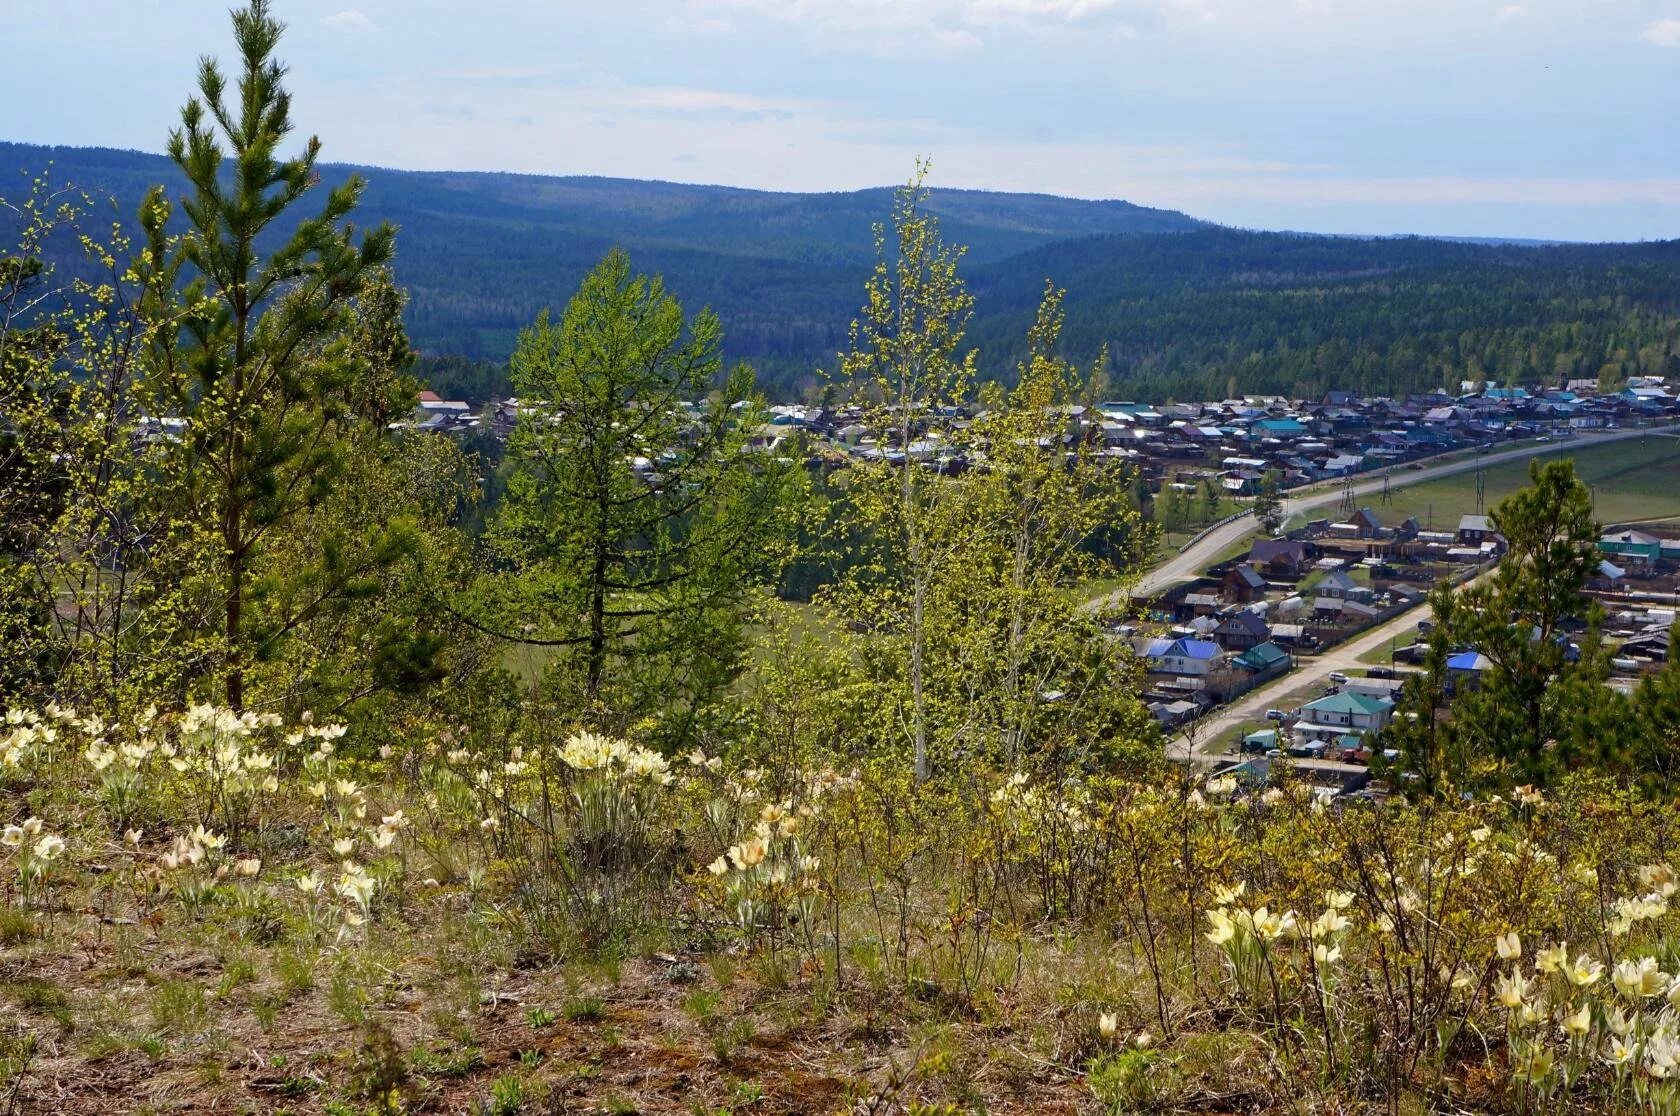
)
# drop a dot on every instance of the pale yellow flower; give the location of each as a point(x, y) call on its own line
point(1513, 989)
point(1584, 971)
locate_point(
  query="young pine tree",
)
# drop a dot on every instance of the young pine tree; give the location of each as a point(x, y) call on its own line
point(271, 405)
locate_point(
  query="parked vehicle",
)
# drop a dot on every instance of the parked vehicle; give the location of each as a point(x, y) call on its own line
point(1274, 714)
point(1338, 678)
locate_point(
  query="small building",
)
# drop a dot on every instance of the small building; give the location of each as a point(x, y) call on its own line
point(1474, 530)
point(1241, 630)
point(1284, 559)
point(1465, 670)
point(1195, 657)
point(1336, 585)
point(1632, 549)
point(1263, 660)
point(1344, 711)
point(1243, 583)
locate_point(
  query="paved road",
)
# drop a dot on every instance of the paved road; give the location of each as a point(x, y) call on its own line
point(1251, 707)
point(1192, 560)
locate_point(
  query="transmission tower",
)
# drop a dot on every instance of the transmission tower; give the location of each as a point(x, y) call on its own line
point(1387, 496)
point(1481, 484)
point(1349, 501)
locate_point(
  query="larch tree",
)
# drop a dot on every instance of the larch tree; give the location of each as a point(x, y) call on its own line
point(641, 525)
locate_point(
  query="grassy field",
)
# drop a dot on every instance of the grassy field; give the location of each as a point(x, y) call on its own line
point(1632, 481)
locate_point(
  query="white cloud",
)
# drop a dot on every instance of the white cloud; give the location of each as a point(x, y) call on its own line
point(349, 20)
point(946, 27)
point(1511, 12)
point(1663, 33)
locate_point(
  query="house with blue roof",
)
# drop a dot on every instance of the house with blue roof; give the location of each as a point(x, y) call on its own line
point(1465, 670)
point(1195, 657)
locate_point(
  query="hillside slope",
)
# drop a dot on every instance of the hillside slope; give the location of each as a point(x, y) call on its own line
point(1184, 308)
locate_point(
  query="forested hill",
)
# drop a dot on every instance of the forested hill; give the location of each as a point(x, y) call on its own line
point(1186, 309)
point(1209, 313)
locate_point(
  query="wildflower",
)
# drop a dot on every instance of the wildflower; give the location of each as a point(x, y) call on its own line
point(32, 827)
point(1512, 990)
point(748, 854)
point(248, 866)
point(344, 846)
point(1618, 1021)
point(1508, 945)
point(12, 837)
point(1660, 878)
point(207, 839)
point(1327, 954)
point(309, 883)
point(49, 847)
point(1143, 1040)
point(719, 866)
point(1537, 1065)
point(489, 825)
point(1223, 785)
point(1584, 971)
point(1552, 959)
point(1578, 1022)
point(356, 886)
point(1636, 979)
point(1661, 1055)
point(1619, 1052)
point(1225, 896)
point(394, 821)
point(1338, 900)
point(1107, 1024)
point(1330, 922)
point(1223, 928)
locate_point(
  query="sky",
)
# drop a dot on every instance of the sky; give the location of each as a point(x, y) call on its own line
point(1552, 119)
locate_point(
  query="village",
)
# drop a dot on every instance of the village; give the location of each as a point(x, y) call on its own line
point(1267, 616)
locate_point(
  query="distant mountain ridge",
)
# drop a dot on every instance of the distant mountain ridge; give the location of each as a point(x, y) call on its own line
point(1182, 306)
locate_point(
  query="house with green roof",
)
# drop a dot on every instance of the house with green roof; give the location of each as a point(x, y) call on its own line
point(1632, 547)
point(1347, 710)
point(1263, 657)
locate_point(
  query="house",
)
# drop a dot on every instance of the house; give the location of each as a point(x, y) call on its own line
point(1338, 713)
point(1194, 657)
point(1633, 549)
point(1241, 630)
point(1243, 583)
point(1465, 670)
point(1283, 559)
point(1264, 660)
point(1474, 530)
point(1337, 584)
point(1610, 576)
point(1366, 522)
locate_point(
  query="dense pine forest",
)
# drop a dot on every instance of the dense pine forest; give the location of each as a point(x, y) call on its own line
point(1184, 309)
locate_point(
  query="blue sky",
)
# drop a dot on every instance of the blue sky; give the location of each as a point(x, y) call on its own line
point(1457, 117)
